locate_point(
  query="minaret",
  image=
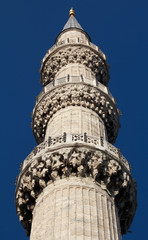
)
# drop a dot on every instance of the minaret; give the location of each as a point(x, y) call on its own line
point(75, 184)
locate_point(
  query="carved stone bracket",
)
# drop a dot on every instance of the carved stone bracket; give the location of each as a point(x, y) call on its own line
point(74, 54)
point(75, 95)
point(78, 162)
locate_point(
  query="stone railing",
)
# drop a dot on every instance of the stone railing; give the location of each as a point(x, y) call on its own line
point(74, 79)
point(98, 142)
point(59, 139)
point(73, 41)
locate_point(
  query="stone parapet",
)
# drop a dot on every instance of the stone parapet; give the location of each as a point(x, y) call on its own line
point(76, 139)
point(83, 42)
point(79, 94)
point(74, 80)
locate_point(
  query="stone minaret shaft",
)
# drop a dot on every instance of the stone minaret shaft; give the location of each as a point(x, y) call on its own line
point(75, 184)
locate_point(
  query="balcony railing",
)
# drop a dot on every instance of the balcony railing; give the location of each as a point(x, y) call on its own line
point(97, 142)
point(75, 79)
point(73, 41)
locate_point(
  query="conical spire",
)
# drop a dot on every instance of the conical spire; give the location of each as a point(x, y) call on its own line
point(72, 21)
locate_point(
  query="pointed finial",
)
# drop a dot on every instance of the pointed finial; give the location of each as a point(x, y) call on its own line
point(71, 12)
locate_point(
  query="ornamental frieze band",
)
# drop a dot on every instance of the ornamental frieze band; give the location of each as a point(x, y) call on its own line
point(76, 162)
point(74, 54)
point(75, 95)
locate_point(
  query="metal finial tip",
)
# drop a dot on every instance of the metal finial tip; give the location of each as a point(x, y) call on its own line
point(71, 12)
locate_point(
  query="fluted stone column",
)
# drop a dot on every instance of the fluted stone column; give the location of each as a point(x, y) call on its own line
point(75, 208)
point(75, 184)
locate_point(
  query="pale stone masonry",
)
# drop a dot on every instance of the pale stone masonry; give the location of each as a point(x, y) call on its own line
point(75, 185)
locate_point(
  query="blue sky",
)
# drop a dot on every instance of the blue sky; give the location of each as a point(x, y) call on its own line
point(28, 29)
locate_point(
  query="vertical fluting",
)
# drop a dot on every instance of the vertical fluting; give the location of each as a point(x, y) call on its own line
point(73, 210)
point(116, 222)
point(87, 227)
point(110, 220)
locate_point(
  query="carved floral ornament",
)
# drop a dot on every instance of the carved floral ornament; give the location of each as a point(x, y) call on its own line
point(74, 54)
point(77, 162)
point(75, 95)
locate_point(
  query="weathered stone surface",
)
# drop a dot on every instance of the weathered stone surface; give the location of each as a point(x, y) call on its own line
point(75, 184)
point(75, 95)
point(78, 162)
point(76, 120)
point(74, 54)
point(75, 208)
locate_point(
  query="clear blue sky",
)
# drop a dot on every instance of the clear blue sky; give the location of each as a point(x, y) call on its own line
point(28, 29)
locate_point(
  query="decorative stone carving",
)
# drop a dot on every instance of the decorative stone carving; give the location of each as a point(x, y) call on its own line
point(112, 148)
point(75, 138)
point(75, 152)
point(73, 41)
point(78, 162)
point(75, 95)
point(74, 54)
